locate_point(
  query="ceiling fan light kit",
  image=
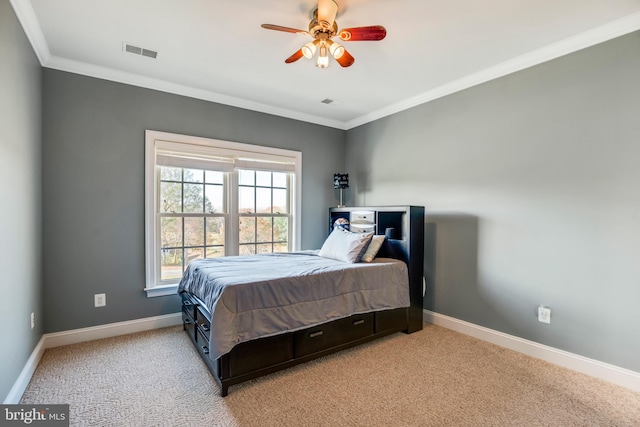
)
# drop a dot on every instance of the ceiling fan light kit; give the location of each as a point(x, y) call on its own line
point(322, 28)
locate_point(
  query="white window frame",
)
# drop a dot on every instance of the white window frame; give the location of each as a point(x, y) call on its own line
point(242, 155)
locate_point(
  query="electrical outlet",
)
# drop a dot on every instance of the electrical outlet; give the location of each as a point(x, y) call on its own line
point(100, 300)
point(544, 314)
point(33, 320)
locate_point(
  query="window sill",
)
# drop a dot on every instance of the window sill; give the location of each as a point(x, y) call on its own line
point(160, 291)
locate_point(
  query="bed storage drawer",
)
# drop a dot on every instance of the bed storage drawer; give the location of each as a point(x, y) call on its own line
point(188, 306)
point(188, 324)
point(204, 324)
point(258, 354)
point(202, 343)
point(333, 334)
point(391, 320)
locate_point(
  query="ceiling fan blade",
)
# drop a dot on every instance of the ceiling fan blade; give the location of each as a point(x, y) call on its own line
point(346, 60)
point(327, 11)
point(371, 33)
point(285, 29)
point(294, 57)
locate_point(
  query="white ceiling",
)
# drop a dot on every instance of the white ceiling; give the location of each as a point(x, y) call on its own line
point(216, 49)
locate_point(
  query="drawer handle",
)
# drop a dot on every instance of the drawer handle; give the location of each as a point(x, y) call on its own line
point(187, 321)
point(358, 322)
point(187, 303)
point(204, 326)
point(315, 334)
point(205, 349)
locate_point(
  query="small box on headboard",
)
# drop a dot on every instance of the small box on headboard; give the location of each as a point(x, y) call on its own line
point(363, 217)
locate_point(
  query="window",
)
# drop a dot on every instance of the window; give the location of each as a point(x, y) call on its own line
point(209, 198)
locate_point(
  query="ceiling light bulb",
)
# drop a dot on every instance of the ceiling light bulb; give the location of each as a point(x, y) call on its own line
point(336, 50)
point(309, 49)
point(323, 62)
point(323, 58)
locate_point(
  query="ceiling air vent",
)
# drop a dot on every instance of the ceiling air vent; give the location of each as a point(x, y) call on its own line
point(139, 50)
point(327, 101)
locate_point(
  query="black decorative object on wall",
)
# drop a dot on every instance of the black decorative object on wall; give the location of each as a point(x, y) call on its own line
point(340, 181)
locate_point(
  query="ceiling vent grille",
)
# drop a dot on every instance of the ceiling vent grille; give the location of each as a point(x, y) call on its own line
point(327, 101)
point(139, 50)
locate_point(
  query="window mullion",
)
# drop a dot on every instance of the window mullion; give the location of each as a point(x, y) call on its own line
point(232, 238)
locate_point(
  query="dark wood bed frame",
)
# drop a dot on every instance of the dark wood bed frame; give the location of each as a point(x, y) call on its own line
point(404, 226)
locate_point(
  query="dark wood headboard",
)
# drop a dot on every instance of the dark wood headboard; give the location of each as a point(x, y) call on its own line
point(404, 228)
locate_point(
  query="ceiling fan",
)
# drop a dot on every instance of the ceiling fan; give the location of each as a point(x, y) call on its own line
point(323, 28)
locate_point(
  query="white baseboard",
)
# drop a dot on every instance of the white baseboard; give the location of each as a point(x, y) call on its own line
point(594, 368)
point(16, 392)
point(74, 336)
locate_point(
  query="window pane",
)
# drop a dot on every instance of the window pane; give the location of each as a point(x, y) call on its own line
point(263, 179)
point(170, 174)
point(193, 253)
point(247, 249)
point(214, 177)
point(279, 200)
point(193, 198)
point(194, 231)
point(215, 251)
point(170, 197)
point(280, 229)
point(171, 264)
point(214, 199)
point(264, 249)
point(193, 175)
point(263, 200)
point(264, 230)
point(215, 231)
point(246, 177)
point(247, 230)
point(280, 247)
point(280, 179)
point(170, 232)
point(246, 202)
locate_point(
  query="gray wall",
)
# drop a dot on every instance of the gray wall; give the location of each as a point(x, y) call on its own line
point(93, 187)
point(20, 194)
point(531, 184)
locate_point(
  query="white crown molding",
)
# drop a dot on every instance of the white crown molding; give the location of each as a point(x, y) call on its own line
point(111, 74)
point(29, 22)
point(600, 34)
point(27, 17)
point(613, 374)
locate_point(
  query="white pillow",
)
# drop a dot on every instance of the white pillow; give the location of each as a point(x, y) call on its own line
point(373, 248)
point(345, 246)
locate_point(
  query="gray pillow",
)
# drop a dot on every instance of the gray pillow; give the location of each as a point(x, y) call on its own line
point(373, 248)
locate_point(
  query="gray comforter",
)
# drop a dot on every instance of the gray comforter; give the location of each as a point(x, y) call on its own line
point(261, 295)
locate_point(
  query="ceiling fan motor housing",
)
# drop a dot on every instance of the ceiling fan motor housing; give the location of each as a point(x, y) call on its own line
point(323, 27)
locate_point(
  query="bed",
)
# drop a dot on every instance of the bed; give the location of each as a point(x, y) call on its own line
point(249, 316)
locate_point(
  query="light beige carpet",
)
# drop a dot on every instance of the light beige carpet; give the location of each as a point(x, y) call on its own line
point(435, 377)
